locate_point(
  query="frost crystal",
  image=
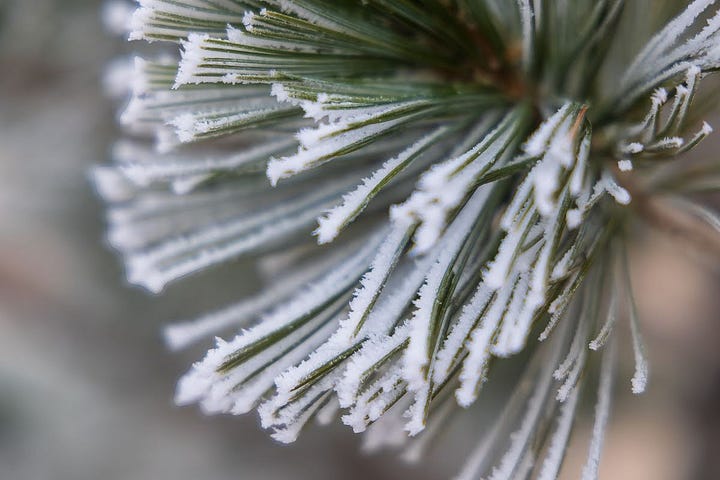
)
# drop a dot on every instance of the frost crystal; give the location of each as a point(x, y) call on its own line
point(472, 171)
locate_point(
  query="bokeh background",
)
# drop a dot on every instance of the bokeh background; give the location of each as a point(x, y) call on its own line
point(86, 383)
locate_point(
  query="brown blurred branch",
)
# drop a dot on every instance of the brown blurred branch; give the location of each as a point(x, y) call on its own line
point(662, 215)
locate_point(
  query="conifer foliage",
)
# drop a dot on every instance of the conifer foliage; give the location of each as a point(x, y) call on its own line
point(470, 170)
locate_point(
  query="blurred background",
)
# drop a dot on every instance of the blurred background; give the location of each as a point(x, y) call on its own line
point(86, 384)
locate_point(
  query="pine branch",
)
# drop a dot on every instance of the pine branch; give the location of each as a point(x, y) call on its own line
point(469, 168)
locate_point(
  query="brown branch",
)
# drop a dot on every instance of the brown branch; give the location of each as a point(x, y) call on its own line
point(661, 214)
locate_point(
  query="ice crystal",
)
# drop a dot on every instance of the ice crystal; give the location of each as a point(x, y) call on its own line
point(472, 170)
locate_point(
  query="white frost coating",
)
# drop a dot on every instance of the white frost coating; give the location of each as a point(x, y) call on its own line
point(218, 392)
point(704, 131)
point(247, 23)
point(442, 188)
point(279, 91)
point(390, 391)
point(364, 297)
point(307, 14)
point(521, 311)
point(118, 78)
point(577, 177)
point(706, 128)
point(138, 22)
point(153, 216)
point(496, 275)
point(560, 303)
point(574, 218)
point(182, 256)
point(528, 32)
point(321, 151)
point(659, 97)
point(395, 297)
point(625, 165)
point(243, 398)
point(215, 392)
point(538, 142)
point(398, 294)
point(573, 376)
point(193, 126)
point(692, 79)
point(558, 306)
point(417, 356)
point(472, 161)
point(417, 412)
point(117, 16)
point(510, 326)
point(289, 380)
point(290, 433)
point(576, 348)
point(279, 411)
point(310, 298)
point(246, 398)
point(180, 335)
point(386, 432)
point(640, 378)
point(305, 301)
point(144, 171)
point(585, 202)
point(141, 81)
point(472, 374)
point(332, 222)
point(334, 108)
point(559, 440)
point(520, 440)
point(288, 419)
point(185, 185)
point(676, 27)
point(599, 341)
point(512, 409)
point(192, 57)
point(151, 19)
point(669, 53)
point(533, 298)
point(683, 98)
point(555, 141)
point(668, 143)
point(602, 413)
point(111, 185)
point(518, 204)
point(620, 195)
point(527, 463)
point(665, 38)
point(310, 137)
point(455, 340)
point(375, 399)
point(184, 126)
point(362, 363)
point(647, 129)
point(632, 148)
point(371, 284)
point(561, 267)
point(328, 412)
point(546, 174)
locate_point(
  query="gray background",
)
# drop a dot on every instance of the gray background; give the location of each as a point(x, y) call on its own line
point(86, 385)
